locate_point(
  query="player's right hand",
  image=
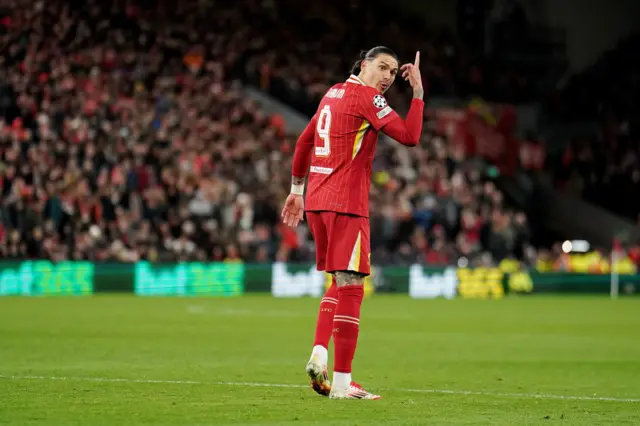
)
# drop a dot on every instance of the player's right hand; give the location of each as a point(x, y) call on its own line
point(293, 210)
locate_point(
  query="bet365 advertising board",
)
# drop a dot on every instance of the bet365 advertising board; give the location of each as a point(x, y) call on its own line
point(39, 278)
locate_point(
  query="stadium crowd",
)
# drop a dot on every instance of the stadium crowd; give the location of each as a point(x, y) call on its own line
point(124, 135)
point(300, 73)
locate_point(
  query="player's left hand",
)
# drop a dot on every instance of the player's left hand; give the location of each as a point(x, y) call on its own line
point(293, 210)
point(411, 73)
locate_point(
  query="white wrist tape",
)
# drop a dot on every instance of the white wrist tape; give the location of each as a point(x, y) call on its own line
point(297, 189)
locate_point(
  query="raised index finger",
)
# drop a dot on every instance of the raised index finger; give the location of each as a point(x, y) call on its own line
point(417, 61)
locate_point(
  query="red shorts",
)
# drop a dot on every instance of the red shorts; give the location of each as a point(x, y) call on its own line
point(342, 241)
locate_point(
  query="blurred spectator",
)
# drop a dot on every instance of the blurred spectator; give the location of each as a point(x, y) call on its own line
point(532, 154)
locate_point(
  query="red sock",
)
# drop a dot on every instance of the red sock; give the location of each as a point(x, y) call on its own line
point(346, 323)
point(325, 316)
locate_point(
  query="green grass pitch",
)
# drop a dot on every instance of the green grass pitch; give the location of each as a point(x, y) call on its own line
point(124, 360)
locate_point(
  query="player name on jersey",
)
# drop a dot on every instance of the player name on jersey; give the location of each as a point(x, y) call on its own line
point(335, 93)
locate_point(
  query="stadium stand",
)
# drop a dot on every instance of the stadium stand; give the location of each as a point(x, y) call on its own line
point(298, 62)
point(603, 167)
point(125, 136)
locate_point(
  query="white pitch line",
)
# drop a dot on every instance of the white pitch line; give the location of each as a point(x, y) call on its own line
point(101, 379)
point(283, 385)
point(521, 395)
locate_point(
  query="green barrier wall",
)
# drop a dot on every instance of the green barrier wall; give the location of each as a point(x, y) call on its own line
point(284, 280)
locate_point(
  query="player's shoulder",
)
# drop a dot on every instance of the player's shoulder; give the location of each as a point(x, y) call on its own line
point(354, 89)
point(356, 86)
point(370, 95)
point(362, 89)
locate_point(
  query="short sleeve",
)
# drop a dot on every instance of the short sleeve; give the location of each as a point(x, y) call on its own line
point(375, 109)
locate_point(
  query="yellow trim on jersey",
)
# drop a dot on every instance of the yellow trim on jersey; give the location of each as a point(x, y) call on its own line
point(354, 262)
point(357, 143)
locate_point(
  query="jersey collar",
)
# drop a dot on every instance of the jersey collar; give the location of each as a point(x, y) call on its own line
point(355, 80)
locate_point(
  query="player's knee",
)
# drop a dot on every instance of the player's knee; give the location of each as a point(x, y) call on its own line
point(345, 278)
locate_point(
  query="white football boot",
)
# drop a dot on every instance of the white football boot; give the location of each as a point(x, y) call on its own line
point(354, 391)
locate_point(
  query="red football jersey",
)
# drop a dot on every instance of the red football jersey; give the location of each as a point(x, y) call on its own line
point(348, 121)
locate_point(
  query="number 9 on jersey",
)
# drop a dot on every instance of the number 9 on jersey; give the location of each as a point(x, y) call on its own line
point(323, 127)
